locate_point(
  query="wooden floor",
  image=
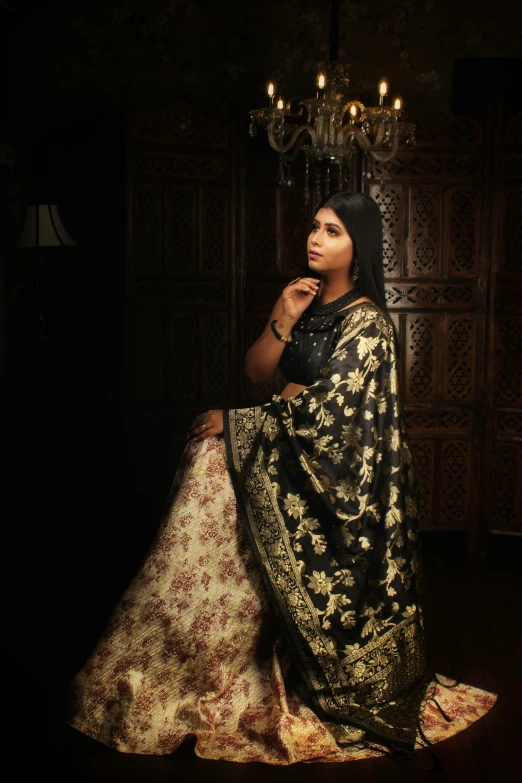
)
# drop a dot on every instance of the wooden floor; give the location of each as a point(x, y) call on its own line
point(473, 616)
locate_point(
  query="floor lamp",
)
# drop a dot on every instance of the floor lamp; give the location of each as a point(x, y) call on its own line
point(43, 228)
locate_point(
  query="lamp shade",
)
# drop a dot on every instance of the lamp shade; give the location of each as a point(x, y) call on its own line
point(43, 228)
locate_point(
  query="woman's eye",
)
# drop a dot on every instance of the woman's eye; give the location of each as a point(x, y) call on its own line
point(333, 231)
point(314, 226)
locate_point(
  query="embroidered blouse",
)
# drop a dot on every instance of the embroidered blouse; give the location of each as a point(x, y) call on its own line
point(313, 340)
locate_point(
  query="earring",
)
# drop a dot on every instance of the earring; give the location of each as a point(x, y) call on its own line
point(355, 272)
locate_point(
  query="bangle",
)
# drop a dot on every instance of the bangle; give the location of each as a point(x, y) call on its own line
point(280, 336)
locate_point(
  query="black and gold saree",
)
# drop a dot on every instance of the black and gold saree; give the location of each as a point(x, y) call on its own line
point(327, 491)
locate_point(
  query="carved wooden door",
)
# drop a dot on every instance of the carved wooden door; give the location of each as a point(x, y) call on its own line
point(433, 202)
point(181, 281)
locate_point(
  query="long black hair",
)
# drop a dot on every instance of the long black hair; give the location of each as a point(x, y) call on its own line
point(362, 219)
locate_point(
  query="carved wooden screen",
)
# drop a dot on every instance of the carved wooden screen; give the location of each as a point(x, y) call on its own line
point(503, 436)
point(432, 202)
point(180, 278)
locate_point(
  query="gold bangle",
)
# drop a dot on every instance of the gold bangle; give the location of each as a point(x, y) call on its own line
point(279, 335)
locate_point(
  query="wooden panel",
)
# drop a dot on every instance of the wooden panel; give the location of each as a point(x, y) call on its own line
point(506, 487)
point(260, 230)
point(147, 228)
point(510, 255)
point(459, 357)
point(214, 357)
point(215, 231)
point(508, 363)
point(422, 367)
point(425, 227)
point(391, 200)
point(423, 452)
point(462, 218)
point(455, 476)
point(181, 230)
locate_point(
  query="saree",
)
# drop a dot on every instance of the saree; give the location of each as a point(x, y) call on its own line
point(304, 572)
point(328, 489)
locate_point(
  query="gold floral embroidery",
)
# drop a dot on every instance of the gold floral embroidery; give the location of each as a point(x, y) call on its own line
point(328, 491)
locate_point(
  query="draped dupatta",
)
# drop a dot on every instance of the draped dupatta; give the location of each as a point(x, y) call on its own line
point(327, 491)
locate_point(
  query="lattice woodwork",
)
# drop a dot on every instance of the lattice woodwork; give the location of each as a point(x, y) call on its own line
point(181, 231)
point(294, 222)
point(511, 257)
point(183, 356)
point(459, 354)
point(425, 231)
point(463, 217)
point(455, 481)
point(214, 358)
point(423, 454)
point(508, 352)
point(148, 371)
point(506, 487)
point(180, 124)
point(508, 424)
point(147, 228)
point(439, 421)
point(430, 165)
point(421, 360)
point(172, 165)
point(391, 202)
point(215, 231)
point(435, 295)
point(260, 231)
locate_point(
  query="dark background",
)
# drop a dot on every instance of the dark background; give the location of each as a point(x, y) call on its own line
point(75, 524)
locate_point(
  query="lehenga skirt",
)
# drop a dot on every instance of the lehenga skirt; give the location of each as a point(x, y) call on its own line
point(193, 649)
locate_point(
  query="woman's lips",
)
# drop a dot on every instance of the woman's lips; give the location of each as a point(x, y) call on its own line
point(314, 254)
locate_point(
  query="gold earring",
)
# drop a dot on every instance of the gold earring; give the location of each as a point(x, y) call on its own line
point(355, 273)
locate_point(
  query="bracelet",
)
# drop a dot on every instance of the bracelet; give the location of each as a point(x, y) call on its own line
point(279, 335)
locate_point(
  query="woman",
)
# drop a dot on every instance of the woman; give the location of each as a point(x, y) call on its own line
point(276, 616)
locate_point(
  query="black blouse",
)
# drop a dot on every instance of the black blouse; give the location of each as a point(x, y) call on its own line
point(314, 337)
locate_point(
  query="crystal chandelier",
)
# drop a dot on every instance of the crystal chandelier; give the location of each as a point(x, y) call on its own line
point(331, 128)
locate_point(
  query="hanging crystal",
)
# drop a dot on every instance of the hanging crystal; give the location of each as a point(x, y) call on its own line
point(327, 180)
point(306, 192)
point(317, 189)
point(253, 128)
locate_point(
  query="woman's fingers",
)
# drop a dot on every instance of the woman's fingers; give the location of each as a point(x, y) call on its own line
point(206, 424)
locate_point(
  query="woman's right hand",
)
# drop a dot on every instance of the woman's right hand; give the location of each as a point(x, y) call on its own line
point(298, 295)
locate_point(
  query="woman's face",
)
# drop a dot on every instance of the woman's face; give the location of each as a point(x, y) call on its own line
point(330, 247)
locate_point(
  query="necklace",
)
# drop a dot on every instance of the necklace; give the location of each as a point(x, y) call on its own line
point(337, 304)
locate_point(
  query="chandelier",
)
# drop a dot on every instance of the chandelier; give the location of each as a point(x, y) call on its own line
point(331, 128)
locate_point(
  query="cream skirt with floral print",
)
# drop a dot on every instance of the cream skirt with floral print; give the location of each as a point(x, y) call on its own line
point(193, 649)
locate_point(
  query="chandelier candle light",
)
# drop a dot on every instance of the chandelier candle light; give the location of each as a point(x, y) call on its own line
point(332, 127)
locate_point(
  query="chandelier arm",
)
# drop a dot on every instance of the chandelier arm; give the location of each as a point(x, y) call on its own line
point(364, 143)
point(384, 157)
point(295, 135)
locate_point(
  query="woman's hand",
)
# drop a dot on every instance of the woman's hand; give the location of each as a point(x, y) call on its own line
point(298, 295)
point(205, 425)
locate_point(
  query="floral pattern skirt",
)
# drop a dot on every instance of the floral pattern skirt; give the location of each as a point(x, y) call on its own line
point(193, 649)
